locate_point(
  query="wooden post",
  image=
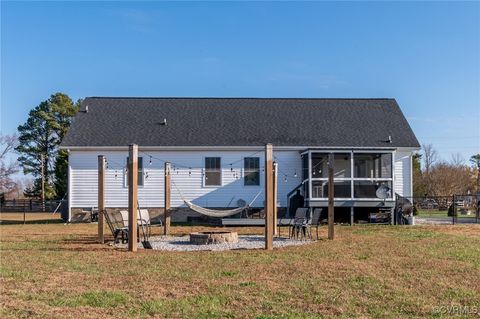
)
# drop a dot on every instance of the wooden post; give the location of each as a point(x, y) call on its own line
point(331, 195)
point(42, 159)
point(166, 206)
point(275, 198)
point(132, 197)
point(268, 197)
point(101, 197)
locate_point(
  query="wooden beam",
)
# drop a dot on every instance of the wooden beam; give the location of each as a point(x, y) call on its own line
point(101, 197)
point(268, 197)
point(166, 206)
point(132, 197)
point(331, 195)
point(275, 198)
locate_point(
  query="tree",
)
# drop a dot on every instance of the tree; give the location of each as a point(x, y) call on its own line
point(7, 168)
point(419, 189)
point(39, 139)
point(430, 156)
point(475, 160)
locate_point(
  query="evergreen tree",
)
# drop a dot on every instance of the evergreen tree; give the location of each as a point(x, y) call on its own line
point(39, 139)
point(475, 160)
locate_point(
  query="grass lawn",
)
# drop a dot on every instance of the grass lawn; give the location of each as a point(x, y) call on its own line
point(58, 271)
point(440, 213)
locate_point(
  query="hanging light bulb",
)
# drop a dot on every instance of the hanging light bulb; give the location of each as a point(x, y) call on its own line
point(231, 167)
point(146, 175)
point(285, 179)
point(189, 171)
point(150, 162)
point(295, 174)
point(115, 174)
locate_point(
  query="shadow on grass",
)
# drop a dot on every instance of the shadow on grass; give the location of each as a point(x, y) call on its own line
point(31, 222)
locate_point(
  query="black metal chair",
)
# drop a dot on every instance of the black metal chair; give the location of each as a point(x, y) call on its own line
point(315, 221)
point(298, 222)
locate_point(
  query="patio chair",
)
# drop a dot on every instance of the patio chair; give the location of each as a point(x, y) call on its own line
point(143, 220)
point(117, 226)
point(298, 222)
point(315, 221)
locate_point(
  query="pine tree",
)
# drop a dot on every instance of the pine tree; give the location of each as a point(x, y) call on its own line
point(39, 139)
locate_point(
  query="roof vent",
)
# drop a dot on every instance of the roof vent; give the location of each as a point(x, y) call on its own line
point(164, 122)
point(389, 139)
point(86, 109)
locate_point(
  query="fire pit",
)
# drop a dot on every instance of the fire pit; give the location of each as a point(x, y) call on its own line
point(213, 237)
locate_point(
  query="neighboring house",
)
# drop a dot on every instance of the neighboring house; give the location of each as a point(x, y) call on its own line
point(216, 147)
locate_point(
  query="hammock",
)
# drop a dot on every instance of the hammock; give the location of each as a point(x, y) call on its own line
point(214, 212)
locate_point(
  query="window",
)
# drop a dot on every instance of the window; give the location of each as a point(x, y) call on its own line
point(140, 172)
point(213, 172)
point(251, 171)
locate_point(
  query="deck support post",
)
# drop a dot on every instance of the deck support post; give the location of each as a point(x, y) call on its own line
point(132, 196)
point(101, 197)
point(352, 215)
point(331, 195)
point(269, 197)
point(166, 206)
point(275, 198)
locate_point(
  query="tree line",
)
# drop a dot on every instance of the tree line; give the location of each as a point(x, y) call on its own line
point(433, 176)
point(38, 140)
point(37, 147)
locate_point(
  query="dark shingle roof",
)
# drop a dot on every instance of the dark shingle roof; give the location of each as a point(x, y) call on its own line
point(240, 122)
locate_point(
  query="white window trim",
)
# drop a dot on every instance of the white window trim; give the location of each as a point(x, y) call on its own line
point(125, 175)
point(259, 171)
point(204, 173)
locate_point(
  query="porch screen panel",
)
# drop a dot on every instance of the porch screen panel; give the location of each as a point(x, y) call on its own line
point(373, 165)
point(341, 189)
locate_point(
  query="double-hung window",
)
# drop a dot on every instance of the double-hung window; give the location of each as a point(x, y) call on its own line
point(213, 171)
point(251, 171)
point(140, 172)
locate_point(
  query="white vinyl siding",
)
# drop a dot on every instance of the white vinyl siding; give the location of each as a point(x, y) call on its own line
point(403, 173)
point(83, 187)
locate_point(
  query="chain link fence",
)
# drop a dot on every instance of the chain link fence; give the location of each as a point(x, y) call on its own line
point(455, 209)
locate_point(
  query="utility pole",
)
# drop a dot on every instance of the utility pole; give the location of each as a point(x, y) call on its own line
point(43, 181)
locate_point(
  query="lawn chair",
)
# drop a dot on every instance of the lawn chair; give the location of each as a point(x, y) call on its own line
point(315, 221)
point(117, 226)
point(298, 222)
point(144, 220)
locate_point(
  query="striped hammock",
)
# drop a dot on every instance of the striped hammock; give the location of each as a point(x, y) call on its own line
point(215, 212)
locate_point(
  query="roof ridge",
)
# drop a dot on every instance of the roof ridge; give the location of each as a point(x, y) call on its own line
point(231, 98)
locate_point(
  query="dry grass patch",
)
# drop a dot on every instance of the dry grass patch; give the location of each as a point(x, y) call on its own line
point(58, 271)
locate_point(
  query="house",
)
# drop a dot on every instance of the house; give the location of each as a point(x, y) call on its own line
point(216, 149)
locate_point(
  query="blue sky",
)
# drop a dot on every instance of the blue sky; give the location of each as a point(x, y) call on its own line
point(424, 54)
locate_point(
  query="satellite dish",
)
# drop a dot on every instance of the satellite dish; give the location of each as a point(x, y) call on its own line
point(383, 192)
point(241, 203)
